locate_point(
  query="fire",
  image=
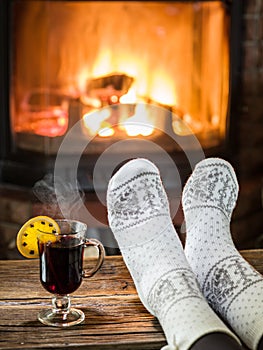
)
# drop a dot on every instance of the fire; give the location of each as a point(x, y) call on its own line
point(104, 124)
point(138, 129)
point(106, 132)
point(93, 122)
point(130, 97)
point(139, 123)
point(164, 52)
point(163, 89)
point(102, 88)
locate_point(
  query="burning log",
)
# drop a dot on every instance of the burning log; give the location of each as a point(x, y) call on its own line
point(108, 89)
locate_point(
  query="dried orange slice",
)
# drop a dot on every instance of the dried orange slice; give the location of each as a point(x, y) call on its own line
point(26, 239)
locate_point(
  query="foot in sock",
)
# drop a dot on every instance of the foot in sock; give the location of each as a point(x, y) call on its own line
point(232, 287)
point(139, 216)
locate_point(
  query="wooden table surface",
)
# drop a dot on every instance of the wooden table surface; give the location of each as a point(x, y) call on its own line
point(115, 317)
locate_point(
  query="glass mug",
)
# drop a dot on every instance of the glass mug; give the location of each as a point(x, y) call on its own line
point(61, 270)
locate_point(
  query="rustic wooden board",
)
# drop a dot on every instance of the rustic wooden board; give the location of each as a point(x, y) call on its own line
point(115, 317)
point(254, 257)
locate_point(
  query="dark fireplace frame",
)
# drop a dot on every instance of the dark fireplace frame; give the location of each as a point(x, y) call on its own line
point(16, 165)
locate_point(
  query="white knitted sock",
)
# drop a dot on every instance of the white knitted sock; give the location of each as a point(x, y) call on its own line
point(139, 216)
point(232, 287)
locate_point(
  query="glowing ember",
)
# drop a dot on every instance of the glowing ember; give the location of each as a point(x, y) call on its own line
point(138, 129)
point(93, 121)
point(106, 132)
point(139, 123)
point(107, 121)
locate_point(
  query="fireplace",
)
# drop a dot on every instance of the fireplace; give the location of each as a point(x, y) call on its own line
point(162, 73)
point(241, 143)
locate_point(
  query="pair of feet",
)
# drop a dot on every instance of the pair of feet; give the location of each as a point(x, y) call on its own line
point(186, 288)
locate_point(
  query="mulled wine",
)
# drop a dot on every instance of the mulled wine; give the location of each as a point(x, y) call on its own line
point(61, 265)
point(61, 269)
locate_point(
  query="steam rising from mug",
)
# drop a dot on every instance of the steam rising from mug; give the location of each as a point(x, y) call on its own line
point(64, 201)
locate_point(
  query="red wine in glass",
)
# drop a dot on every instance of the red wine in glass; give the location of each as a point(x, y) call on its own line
point(61, 266)
point(61, 269)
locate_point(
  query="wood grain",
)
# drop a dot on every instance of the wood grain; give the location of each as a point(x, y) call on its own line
point(115, 317)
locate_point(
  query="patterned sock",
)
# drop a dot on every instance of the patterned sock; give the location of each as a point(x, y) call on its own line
point(139, 216)
point(232, 287)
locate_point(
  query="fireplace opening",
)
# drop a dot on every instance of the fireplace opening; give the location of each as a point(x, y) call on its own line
point(121, 70)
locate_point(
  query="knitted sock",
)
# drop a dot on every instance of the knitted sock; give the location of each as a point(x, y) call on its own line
point(139, 216)
point(232, 287)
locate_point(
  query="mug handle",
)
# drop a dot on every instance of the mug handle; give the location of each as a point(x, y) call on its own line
point(97, 244)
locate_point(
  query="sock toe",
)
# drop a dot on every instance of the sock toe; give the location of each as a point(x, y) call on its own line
point(136, 196)
point(213, 184)
point(131, 170)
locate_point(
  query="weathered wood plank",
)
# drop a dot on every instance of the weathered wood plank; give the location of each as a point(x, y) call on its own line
point(254, 257)
point(113, 277)
point(97, 309)
point(115, 317)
